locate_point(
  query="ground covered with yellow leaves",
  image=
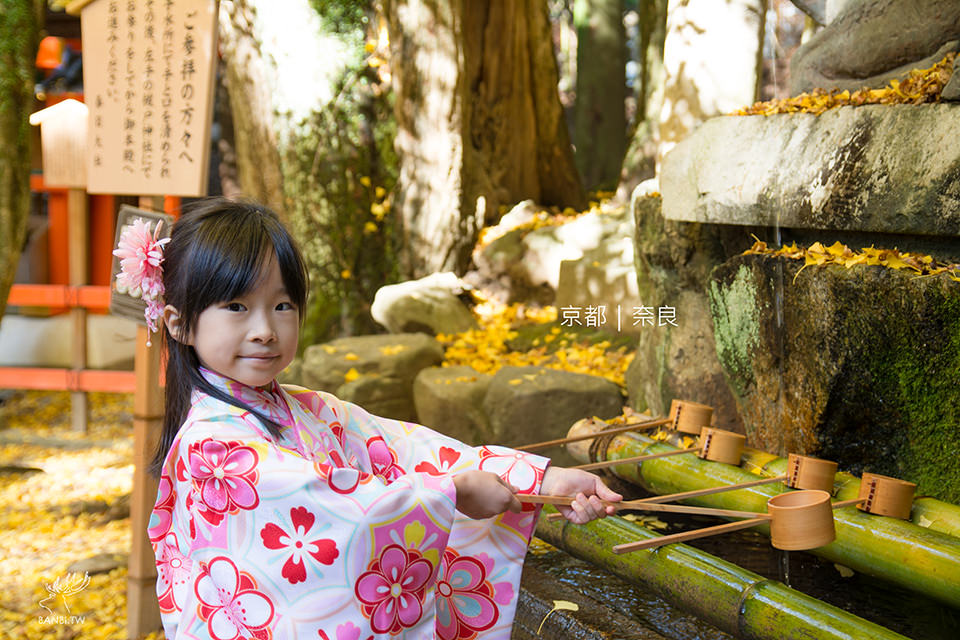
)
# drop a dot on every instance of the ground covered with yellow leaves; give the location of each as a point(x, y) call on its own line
point(64, 499)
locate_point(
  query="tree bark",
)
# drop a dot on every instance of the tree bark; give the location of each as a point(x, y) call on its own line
point(599, 118)
point(20, 23)
point(479, 122)
point(639, 162)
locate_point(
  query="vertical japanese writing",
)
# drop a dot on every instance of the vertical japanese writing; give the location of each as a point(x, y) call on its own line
point(149, 62)
point(149, 82)
point(187, 71)
point(166, 99)
point(130, 89)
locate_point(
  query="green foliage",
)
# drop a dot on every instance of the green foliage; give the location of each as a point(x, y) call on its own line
point(344, 17)
point(338, 189)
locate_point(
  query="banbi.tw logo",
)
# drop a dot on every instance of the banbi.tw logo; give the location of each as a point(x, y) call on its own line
point(62, 588)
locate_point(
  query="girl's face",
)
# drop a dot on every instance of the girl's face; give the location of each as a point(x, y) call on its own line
point(253, 337)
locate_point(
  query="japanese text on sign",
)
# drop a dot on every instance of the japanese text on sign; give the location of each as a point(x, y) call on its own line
point(149, 84)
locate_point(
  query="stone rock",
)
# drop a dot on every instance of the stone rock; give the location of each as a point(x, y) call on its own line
point(450, 400)
point(863, 367)
point(673, 263)
point(100, 563)
point(870, 42)
point(877, 168)
point(951, 91)
point(386, 367)
point(429, 305)
point(603, 278)
point(531, 404)
point(700, 82)
point(527, 263)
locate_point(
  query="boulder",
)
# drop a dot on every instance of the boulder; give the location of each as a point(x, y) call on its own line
point(876, 168)
point(860, 365)
point(870, 42)
point(527, 262)
point(450, 400)
point(532, 404)
point(673, 263)
point(604, 278)
point(429, 305)
point(385, 367)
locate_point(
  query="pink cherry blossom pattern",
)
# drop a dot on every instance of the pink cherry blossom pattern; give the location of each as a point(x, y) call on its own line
point(392, 589)
point(383, 459)
point(225, 475)
point(465, 599)
point(173, 574)
point(513, 466)
point(161, 518)
point(447, 457)
point(322, 550)
point(230, 603)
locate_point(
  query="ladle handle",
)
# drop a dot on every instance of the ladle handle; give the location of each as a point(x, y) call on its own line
point(636, 505)
point(847, 503)
point(705, 492)
point(612, 463)
point(635, 426)
point(688, 535)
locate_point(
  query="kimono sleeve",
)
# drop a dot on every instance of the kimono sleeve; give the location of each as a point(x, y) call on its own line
point(254, 540)
point(391, 448)
point(479, 581)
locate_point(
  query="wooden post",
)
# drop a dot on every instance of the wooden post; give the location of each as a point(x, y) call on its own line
point(143, 609)
point(77, 234)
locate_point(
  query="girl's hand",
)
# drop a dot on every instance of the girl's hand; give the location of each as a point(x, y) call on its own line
point(587, 490)
point(481, 494)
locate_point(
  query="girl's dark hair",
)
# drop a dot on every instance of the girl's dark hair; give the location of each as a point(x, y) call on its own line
point(216, 253)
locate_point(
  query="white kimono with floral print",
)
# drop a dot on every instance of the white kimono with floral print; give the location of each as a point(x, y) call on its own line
point(346, 529)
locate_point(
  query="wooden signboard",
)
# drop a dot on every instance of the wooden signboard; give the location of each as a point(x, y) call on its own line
point(63, 140)
point(149, 69)
point(122, 304)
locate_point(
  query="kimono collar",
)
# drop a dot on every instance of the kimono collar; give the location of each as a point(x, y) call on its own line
point(268, 400)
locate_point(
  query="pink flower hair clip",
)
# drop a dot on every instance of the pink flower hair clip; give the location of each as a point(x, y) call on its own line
point(141, 267)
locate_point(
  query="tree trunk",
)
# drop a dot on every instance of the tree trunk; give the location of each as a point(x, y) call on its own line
point(639, 162)
point(479, 122)
point(303, 105)
point(20, 23)
point(599, 118)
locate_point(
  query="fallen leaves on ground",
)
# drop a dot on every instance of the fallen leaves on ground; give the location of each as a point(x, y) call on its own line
point(842, 255)
point(487, 349)
point(919, 87)
point(58, 491)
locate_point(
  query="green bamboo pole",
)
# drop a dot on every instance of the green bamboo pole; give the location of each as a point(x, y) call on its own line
point(928, 513)
point(735, 600)
point(895, 550)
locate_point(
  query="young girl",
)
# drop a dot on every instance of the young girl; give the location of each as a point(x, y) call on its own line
point(287, 513)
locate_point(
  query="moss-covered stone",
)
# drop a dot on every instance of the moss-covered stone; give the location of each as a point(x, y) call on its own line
point(860, 365)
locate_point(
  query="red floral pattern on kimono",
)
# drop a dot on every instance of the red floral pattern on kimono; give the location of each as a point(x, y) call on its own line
point(345, 528)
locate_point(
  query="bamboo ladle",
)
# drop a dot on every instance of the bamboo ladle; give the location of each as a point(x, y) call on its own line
point(637, 505)
point(803, 472)
point(804, 521)
point(716, 445)
point(685, 416)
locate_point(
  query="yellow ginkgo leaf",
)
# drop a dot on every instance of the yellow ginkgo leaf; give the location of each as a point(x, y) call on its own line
point(559, 605)
point(351, 375)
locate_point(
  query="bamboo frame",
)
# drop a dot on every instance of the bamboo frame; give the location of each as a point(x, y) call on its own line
point(603, 464)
